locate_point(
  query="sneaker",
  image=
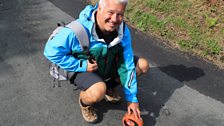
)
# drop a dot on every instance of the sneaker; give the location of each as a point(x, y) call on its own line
point(112, 96)
point(88, 113)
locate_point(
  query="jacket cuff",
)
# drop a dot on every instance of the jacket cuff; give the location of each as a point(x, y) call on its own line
point(132, 98)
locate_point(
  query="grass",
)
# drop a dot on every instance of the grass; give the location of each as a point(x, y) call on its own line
point(195, 26)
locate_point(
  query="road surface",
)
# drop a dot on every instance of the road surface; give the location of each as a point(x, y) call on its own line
point(179, 89)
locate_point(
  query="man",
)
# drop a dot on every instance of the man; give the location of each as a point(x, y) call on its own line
point(113, 63)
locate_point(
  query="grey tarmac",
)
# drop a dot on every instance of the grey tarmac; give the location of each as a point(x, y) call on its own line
point(179, 90)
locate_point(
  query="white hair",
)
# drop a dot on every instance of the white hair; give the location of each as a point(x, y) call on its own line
point(102, 2)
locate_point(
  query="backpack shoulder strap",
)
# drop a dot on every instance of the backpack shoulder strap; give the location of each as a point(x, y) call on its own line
point(80, 33)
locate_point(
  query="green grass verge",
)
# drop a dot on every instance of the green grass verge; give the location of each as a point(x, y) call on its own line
point(191, 25)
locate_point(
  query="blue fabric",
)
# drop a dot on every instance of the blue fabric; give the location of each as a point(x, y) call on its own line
point(58, 50)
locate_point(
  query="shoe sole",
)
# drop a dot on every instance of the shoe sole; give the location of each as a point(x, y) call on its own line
point(111, 100)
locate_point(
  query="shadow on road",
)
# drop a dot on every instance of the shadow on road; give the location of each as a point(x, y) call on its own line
point(183, 73)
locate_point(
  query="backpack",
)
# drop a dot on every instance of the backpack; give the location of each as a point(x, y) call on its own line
point(56, 72)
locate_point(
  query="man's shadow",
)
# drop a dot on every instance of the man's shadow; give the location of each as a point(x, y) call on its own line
point(182, 73)
point(154, 89)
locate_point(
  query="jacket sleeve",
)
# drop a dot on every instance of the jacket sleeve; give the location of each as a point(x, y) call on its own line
point(127, 70)
point(58, 50)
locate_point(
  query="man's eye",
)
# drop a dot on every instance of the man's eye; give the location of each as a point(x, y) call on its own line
point(110, 12)
point(121, 15)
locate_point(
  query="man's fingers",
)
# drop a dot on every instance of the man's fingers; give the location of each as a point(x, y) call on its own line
point(95, 67)
point(134, 108)
point(129, 111)
point(92, 66)
point(138, 113)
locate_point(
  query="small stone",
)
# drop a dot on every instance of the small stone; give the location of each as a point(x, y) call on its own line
point(166, 111)
point(152, 114)
point(154, 93)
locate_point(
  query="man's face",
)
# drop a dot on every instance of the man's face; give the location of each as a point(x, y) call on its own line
point(111, 15)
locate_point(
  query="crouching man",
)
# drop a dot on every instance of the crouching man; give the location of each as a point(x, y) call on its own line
point(113, 62)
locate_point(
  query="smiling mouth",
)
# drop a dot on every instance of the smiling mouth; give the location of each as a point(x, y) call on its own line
point(112, 25)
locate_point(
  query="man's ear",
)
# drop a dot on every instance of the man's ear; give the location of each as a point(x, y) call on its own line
point(99, 6)
point(99, 9)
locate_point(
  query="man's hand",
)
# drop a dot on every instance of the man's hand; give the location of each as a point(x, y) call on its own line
point(134, 107)
point(91, 67)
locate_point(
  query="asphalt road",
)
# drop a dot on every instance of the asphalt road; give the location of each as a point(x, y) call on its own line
point(179, 90)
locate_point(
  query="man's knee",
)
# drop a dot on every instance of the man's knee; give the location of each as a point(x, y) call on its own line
point(96, 92)
point(142, 66)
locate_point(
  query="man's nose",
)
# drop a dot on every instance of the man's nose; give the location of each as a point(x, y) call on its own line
point(115, 18)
